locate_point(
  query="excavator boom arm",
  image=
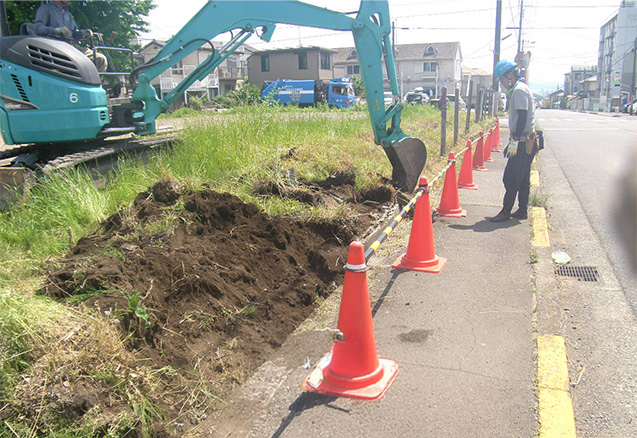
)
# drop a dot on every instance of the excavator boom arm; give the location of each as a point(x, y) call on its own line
point(371, 29)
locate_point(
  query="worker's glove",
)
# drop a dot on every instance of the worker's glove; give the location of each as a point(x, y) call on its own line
point(64, 31)
point(88, 33)
point(511, 148)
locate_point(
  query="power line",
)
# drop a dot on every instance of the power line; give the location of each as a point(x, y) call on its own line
point(570, 7)
point(465, 11)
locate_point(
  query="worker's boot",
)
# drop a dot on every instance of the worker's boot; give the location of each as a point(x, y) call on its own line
point(520, 213)
point(501, 217)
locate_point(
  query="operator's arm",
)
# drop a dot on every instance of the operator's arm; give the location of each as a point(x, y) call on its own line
point(42, 23)
point(50, 23)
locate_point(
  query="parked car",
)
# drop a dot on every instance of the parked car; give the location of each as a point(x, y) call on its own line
point(451, 99)
point(416, 97)
point(632, 105)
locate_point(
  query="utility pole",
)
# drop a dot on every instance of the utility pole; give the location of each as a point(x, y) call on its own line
point(498, 37)
point(520, 43)
point(393, 39)
point(633, 90)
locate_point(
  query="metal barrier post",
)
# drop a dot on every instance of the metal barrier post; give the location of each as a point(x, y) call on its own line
point(456, 115)
point(443, 121)
point(470, 85)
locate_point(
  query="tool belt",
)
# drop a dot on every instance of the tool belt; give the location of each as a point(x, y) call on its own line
point(531, 139)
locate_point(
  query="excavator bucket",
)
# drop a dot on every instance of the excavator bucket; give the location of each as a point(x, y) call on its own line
point(407, 157)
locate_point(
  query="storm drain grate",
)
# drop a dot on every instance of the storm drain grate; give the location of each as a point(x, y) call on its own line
point(582, 273)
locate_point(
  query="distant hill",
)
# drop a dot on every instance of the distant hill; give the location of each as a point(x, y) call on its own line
point(544, 88)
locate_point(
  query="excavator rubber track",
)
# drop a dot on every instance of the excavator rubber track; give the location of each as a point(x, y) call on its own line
point(20, 166)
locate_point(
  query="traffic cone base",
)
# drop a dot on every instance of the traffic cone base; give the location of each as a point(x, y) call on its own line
point(468, 186)
point(370, 387)
point(456, 212)
point(433, 266)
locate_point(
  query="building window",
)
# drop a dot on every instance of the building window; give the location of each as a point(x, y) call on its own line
point(352, 55)
point(265, 62)
point(325, 61)
point(353, 70)
point(430, 51)
point(177, 69)
point(430, 67)
point(303, 61)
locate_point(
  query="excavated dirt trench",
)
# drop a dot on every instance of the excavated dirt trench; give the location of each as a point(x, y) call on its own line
point(213, 288)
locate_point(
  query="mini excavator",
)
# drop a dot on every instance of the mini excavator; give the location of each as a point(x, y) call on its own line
point(51, 92)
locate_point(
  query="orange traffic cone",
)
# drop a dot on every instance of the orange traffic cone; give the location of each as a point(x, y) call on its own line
point(352, 368)
point(465, 177)
point(495, 146)
point(487, 147)
point(449, 203)
point(478, 156)
point(421, 255)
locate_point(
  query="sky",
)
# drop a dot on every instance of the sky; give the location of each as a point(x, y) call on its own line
point(558, 33)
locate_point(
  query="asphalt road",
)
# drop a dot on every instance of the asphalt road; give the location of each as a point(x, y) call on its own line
point(594, 151)
point(580, 172)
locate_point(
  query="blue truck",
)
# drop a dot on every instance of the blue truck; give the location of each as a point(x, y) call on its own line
point(337, 92)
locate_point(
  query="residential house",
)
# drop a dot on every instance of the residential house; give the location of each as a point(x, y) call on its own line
point(297, 63)
point(225, 78)
point(585, 98)
point(428, 65)
point(574, 80)
point(556, 99)
point(480, 80)
point(616, 58)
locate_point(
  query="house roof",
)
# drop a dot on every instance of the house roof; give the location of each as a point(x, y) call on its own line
point(417, 51)
point(474, 71)
point(295, 50)
point(407, 51)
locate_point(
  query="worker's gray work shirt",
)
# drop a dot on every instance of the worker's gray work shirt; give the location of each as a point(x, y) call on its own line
point(49, 17)
point(522, 99)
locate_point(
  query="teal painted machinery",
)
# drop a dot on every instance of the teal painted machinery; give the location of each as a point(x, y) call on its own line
point(48, 93)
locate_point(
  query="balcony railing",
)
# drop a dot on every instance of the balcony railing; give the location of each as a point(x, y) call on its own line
point(174, 76)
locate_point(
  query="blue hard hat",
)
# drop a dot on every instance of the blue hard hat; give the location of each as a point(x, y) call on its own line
point(504, 66)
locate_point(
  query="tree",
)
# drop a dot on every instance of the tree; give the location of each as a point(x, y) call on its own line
point(123, 19)
point(359, 87)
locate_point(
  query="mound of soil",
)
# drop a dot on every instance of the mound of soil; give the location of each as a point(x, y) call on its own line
point(207, 284)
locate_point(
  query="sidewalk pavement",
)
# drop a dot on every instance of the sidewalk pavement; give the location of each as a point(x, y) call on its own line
point(463, 340)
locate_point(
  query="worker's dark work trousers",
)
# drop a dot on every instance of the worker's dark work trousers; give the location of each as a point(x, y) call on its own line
point(516, 179)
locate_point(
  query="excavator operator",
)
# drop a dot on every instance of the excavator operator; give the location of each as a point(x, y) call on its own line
point(54, 20)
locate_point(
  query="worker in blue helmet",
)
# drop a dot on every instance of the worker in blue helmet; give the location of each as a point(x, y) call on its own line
point(522, 145)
